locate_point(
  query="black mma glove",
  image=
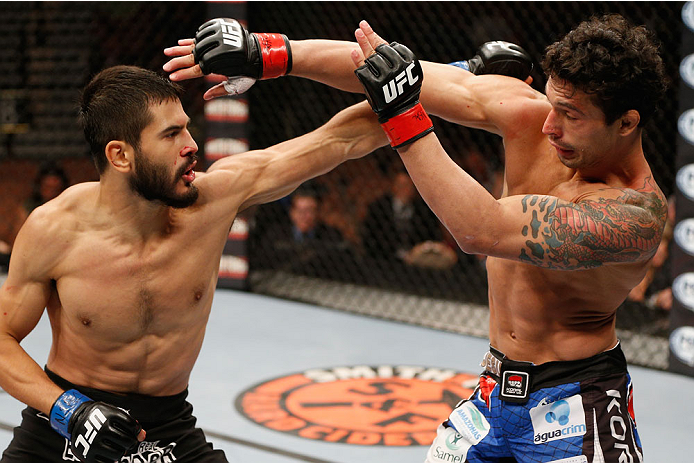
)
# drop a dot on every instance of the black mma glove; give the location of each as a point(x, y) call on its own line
point(224, 46)
point(98, 432)
point(392, 78)
point(502, 58)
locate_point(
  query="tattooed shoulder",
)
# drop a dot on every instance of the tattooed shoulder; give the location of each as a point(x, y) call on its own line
point(615, 225)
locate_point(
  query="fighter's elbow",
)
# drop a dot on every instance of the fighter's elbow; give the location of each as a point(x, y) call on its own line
point(473, 243)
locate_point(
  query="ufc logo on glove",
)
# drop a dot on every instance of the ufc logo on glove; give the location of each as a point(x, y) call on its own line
point(395, 87)
point(92, 426)
point(231, 33)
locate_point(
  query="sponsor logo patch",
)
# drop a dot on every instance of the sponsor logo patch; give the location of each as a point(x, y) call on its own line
point(558, 420)
point(514, 385)
point(578, 459)
point(363, 405)
point(150, 452)
point(453, 450)
point(470, 423)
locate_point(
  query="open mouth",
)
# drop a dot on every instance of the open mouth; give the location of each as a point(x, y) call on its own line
point(189, 175)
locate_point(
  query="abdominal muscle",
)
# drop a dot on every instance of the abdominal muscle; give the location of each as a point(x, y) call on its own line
point(151, 364)
point(540, 315)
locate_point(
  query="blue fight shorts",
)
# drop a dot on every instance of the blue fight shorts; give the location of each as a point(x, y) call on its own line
point(558, 412)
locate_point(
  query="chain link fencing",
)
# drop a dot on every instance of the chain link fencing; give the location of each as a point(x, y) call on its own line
point(368, 257)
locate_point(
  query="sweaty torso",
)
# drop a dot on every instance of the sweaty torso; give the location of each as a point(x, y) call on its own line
point(539, 314)
point(128, 313)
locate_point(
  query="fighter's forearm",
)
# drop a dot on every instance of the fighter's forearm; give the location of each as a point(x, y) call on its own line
point(278, 170)
point(23, 378)
point(328, 62)
point(325, 61)
point(464, 206)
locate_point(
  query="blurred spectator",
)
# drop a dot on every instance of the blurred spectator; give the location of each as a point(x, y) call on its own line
point(400, 227)
point(303, 244)
point(13, 216)
point(50, 181)
point(475, 164)
point(48, 184)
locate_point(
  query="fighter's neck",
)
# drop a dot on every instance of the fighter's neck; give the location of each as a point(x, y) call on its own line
point(122, 207)
point(622, 169)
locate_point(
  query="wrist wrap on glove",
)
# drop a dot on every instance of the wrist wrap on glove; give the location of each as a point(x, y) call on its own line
point(98, 432)
point(501, 58)
point(407, 127)
point(224, 46)
point(392, 78)
point(64, 408)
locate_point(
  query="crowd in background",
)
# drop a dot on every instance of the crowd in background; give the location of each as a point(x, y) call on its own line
point(49, 182)
point(372, 230)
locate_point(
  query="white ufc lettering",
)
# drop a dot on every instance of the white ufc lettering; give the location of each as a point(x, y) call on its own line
point(396, 86)
point(231, 34)
point(91, 426)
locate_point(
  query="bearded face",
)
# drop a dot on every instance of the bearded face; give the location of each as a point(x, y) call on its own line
point(156, 182)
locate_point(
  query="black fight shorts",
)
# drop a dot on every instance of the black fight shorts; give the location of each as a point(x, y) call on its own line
point(170, 425)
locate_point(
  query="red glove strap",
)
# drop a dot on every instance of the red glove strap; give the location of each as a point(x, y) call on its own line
point(408, 126)
point(274, 53)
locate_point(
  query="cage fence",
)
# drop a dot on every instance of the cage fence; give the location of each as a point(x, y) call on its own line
point(378, 250)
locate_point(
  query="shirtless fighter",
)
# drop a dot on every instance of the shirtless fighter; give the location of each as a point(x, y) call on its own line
point(126, 268)
point(579, 220)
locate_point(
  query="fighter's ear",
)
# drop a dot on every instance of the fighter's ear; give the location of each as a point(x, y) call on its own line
point(629, 122)
point(119, 155)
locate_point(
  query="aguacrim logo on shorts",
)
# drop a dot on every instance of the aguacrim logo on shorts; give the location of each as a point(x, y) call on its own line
point(362, 405)
point(558, 420)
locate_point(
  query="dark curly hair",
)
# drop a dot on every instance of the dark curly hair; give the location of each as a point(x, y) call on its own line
point(615, 62)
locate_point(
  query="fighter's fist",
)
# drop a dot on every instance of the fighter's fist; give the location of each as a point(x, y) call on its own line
point(392, 79)
point(224, 46)
point(98, 432)
point(501, 58)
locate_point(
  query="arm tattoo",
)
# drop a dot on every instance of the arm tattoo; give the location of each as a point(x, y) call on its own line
point(571, 236)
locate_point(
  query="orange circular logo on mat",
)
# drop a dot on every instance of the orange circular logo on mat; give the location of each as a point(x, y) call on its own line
point(363, 405)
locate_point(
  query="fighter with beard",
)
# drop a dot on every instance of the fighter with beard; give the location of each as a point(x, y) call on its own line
point(579, 219)
point(126, 268)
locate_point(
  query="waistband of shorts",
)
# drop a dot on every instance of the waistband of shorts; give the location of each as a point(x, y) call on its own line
point(550, 374)
point(144, 408)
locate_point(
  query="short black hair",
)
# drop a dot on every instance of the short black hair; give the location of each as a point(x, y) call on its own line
point(115, 106)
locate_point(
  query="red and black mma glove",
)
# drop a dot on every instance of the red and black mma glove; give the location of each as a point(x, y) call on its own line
point(501, 58)
point(98, 432)
point(224, 46)
point(392, 78)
